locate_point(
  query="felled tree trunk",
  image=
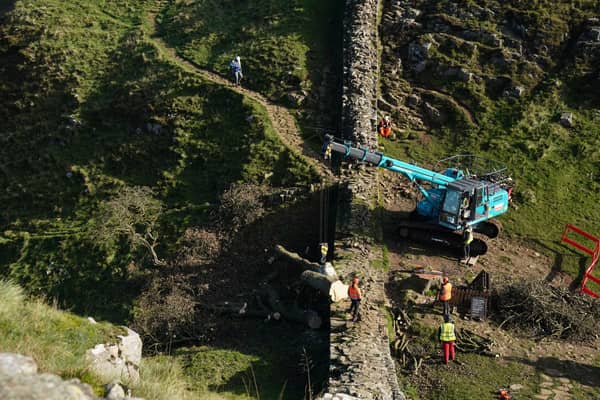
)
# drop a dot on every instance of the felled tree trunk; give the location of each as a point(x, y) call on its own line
point(308, 317)
point(274, 309)
point(318, 281)
point(294, 258)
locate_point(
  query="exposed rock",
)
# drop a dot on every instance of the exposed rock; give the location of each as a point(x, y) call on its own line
point(296, 98)
point(413, 100)
point(117, 361)
point(418, 52)
point(114, 391)
point(566, 119)
point(514, 91)
point(434, 115)
point(462, 74)
point(43, 386)
point(16, 364)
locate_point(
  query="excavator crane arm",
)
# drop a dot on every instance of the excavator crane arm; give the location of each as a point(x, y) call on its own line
point(454, 201)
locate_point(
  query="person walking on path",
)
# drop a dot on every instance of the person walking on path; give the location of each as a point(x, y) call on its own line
point(447, 338)
point(468, 238)
point(445, 294)
point(355, 296)
point(236, 69)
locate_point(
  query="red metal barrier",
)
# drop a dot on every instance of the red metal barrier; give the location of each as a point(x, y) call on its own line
point(595, 252)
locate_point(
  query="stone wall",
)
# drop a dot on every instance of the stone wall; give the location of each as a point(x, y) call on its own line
point(361, 71)
point(361, 366)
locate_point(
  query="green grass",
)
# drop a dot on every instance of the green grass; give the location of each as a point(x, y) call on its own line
point(56, 340)
point(479, 378)
point(555, 169)
point(280, 42)
point(93, 62)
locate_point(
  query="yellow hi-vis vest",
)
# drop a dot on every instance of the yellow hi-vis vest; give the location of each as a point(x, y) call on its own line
point(468, 237)
point(447, 332)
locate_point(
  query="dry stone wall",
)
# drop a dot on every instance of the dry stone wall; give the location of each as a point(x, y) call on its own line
point(361, 366)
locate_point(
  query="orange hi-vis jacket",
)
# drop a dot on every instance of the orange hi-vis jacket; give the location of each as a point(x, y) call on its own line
point(354, 293)
point(446, 293)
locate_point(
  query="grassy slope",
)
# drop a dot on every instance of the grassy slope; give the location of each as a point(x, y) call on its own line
point(277, 40)
point(76, 131)
point(56, 340)
point(556, 170)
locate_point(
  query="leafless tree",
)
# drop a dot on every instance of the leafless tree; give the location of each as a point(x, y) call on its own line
point(132, 213)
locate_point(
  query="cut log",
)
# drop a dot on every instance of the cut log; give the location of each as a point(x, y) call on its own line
point(318, 281)
point(293, 313)
point(294, 258)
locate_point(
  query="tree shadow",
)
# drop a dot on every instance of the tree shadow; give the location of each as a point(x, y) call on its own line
point(588, 375)
point(559, 262)
point(243, 272)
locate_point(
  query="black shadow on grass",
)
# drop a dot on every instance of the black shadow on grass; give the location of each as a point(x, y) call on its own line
point(588, 375)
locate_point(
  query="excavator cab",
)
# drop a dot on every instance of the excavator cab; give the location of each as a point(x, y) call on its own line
point(470, 201)
point(451, 210)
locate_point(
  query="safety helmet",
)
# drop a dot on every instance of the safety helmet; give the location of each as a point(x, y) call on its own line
point(445, 279)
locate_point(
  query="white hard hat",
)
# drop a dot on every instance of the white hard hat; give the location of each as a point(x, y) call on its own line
point(237, 58)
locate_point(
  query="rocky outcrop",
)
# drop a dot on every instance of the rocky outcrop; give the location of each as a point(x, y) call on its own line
point(119, 360)
point(19, 380)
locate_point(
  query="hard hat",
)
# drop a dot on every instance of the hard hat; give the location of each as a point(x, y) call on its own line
point(237, 58)
point(470, 228)
point(387, 117)
point(445, 279)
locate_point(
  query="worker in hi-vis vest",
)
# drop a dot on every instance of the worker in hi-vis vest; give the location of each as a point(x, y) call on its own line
point(445, 294)
point(447, 338)
point(355, 295)
point(468, 238)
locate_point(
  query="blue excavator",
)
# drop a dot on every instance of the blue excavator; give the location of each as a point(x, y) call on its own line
point(469, 191)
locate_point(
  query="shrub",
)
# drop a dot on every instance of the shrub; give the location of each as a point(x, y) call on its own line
point(241, 205)
point(199, 246)
point(165, 310)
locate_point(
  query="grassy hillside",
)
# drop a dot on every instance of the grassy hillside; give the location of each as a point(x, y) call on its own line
point(90, 107)
point(58, 340)
point(493, 78)
point(280, 42)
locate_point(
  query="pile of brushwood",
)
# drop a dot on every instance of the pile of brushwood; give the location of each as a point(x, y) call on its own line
point(545, 311)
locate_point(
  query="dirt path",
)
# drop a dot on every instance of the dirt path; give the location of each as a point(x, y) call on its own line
point(282, 120)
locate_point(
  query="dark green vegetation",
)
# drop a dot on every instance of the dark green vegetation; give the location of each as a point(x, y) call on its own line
point(92, 110)
point(287, 48)
point(89, 108)
point(477, 56)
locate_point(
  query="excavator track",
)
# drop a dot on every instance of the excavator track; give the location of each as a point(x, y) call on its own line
point(435, 236)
